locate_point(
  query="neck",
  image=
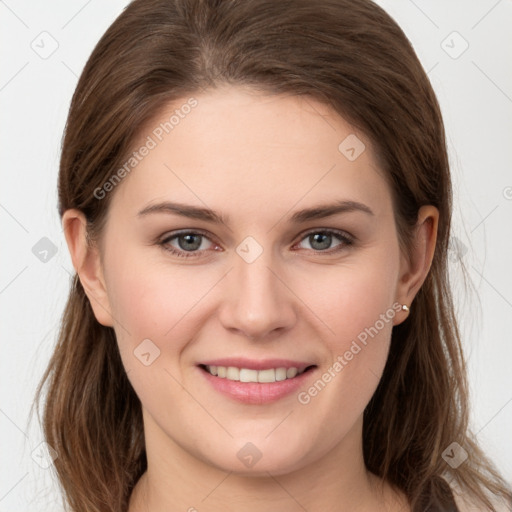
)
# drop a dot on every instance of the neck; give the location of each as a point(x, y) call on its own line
point(337, 481)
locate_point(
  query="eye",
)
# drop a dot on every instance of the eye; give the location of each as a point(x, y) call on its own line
point(321, 241)
point(186, 244)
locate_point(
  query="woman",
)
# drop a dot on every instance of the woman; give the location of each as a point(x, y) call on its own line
point(256, 199)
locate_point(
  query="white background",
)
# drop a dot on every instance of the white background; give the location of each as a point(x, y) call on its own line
point(475, 92)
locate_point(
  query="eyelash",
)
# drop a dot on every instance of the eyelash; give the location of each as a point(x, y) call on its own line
point(346, 239)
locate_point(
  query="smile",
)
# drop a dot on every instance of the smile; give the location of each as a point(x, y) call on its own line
point(249, 375)
point(256, 382)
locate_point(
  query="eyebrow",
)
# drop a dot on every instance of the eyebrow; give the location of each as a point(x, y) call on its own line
point(208, 215)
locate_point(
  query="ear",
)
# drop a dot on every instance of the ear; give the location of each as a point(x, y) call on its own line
point(86, 260)
point(415, 267)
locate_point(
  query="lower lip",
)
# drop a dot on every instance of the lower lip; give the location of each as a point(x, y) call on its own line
point(255, 392)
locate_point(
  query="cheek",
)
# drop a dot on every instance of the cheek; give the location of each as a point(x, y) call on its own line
point(151, 297)
point(351, 297)
point(356, 302)
point(156, 302)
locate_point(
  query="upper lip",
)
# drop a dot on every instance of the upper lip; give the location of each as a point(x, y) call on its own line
point(252, 364)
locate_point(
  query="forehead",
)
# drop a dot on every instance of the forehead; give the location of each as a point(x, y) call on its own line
point(238, 150)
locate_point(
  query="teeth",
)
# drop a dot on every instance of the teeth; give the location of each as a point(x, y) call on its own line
point(267, 375)
point(233, 373)
point(291, 372)
point(247, 375)
point(280, 374)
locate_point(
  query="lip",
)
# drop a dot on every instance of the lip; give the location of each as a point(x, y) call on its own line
point(256, 393)
point(251, 364)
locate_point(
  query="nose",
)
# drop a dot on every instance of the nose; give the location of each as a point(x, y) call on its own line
point(258, 302)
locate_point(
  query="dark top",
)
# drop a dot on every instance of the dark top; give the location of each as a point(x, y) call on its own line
point(437, 496)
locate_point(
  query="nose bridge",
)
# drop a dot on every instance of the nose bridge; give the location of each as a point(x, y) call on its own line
point(258, 303)
point(257, 284)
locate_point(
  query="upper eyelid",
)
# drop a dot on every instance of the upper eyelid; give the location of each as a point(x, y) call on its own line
point(173, 234)
point(340, 232)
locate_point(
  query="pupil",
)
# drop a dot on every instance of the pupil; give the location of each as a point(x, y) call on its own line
point(189, 242)
point(324, 240)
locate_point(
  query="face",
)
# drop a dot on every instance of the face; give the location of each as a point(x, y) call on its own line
point(268, 283)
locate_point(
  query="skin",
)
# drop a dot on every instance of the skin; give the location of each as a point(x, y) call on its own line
point(256, 159)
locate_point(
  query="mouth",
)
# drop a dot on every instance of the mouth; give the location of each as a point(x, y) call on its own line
point(256, 382)
point(265, 376)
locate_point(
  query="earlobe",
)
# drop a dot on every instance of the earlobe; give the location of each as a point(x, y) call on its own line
point(87, 263)
point(414, 270)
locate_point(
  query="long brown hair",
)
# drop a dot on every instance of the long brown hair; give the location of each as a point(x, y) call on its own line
point(350, 55)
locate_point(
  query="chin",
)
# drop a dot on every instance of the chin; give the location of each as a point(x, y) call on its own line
point(251, 461)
